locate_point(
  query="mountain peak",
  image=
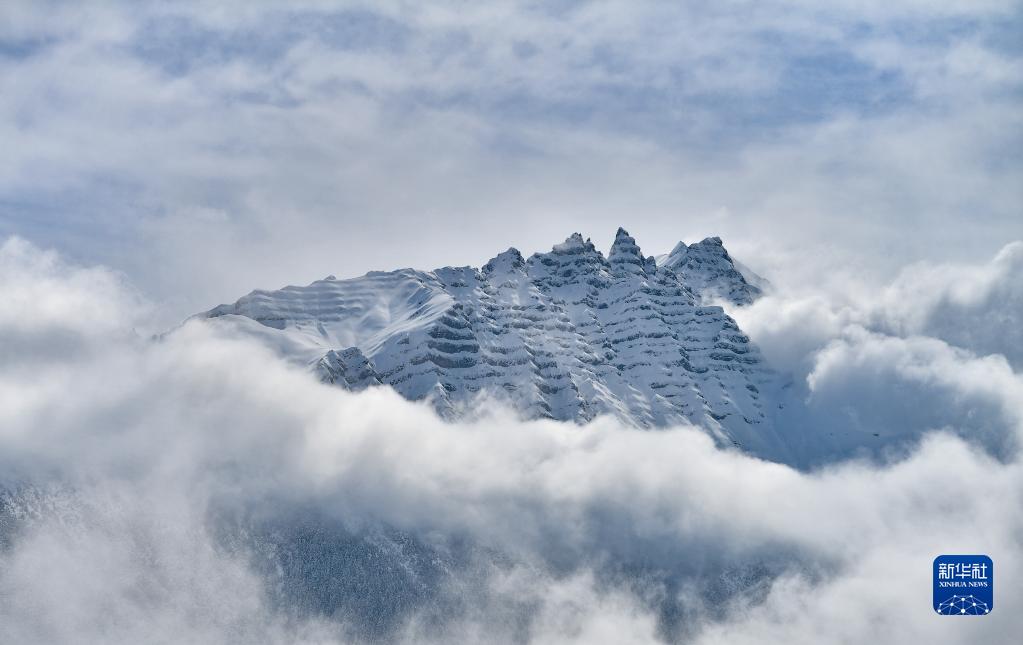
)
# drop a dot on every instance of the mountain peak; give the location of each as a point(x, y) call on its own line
point(573, 242)
point(708, 269)
point(675, 257)
point(567, 335)
point(623, 242)
point(505, 261)
point(625, 254)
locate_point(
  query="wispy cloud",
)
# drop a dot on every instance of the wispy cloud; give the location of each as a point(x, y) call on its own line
point(177, 489)
point(188, 144)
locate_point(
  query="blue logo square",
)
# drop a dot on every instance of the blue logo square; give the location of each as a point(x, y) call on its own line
point(964, 585)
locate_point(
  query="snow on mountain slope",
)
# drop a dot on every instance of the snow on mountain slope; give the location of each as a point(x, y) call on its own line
point(711, 273)
point(569, 334)
point(335, 313)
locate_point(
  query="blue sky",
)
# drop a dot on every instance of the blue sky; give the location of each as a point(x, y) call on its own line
point(205, 151)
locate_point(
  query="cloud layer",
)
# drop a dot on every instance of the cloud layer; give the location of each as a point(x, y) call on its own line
point(197, 148)
point(191, 487)
point(195, 487)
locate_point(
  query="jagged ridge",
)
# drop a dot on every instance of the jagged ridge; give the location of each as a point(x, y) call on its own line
point(567, 335)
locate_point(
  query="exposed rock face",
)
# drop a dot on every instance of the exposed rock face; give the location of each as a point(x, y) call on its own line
point(711, 273)
point(348, 368)
point(569, 335)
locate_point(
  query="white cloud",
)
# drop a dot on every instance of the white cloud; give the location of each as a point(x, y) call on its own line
point(976, 307)
point(912, 385)
point(936, 348)
point(181, 487)
point(842, 133)
point(42, 292)
point(173, 490)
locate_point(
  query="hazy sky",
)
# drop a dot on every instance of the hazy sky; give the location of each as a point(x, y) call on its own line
point(205, 151)
point(159, 158)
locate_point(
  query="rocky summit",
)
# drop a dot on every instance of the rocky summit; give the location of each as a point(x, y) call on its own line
point(570, 334)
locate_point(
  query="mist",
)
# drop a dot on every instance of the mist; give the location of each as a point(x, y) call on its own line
point(193, 486)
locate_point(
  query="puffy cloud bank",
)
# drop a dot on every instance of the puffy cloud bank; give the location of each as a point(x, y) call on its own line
point(192, 488)
point(881, 365)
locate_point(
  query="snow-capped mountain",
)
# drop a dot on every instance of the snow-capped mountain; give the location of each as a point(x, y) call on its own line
point(569, 334)
point(711, 273)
